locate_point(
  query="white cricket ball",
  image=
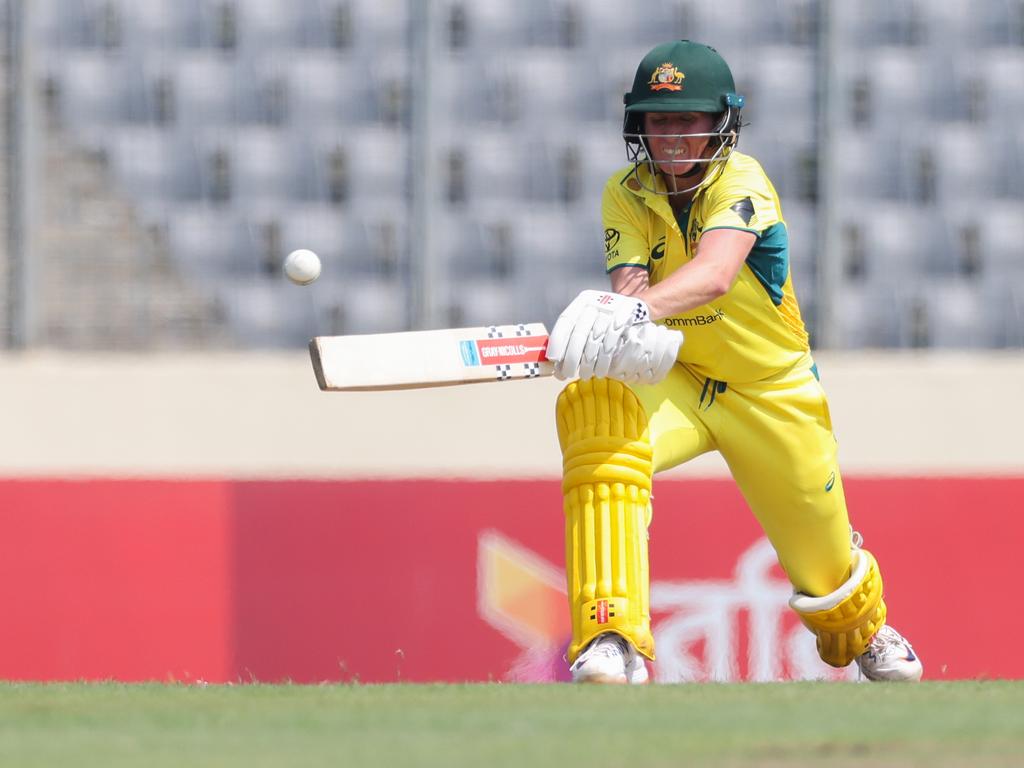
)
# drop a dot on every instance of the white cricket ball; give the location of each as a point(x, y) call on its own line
point(302, 266)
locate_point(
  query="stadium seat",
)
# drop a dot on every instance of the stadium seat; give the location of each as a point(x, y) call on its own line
point(270, 25)
point(873, 316)
point(380, 25)
point(555, 87)
point(882, 22)
point(93, 88)
point(154, 165)
point(206, 88)
point(1004, 300)
point(732, 24)
point(795, 22)
point(966, 166)
point(784, 81)
point(474, 89)
point(900, 87)
point(868, 168)
point(371, 305)
point(895, 236)
point(55, 25)
point(956, 313)
point(1002, 238)
point(957, 25)
point(327, 88)
point(1003, 71)
point(605, 25)
point(269, 312)
point(490, 25)
point(1000, 23)
point(502, 165)
point(208, 243)
point(270, 165)
point(467, 247)
point(378, 163)
point(165, 25)
point(549, 243)
point(488, 302)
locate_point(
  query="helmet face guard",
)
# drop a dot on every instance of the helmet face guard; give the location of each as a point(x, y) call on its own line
point(721, 141)
point(682, 76)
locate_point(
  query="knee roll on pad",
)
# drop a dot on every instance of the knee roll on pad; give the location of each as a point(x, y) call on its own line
point(606, 485)
point(845, 621)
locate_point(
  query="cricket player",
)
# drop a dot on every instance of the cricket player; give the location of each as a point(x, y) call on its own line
point(700, 346)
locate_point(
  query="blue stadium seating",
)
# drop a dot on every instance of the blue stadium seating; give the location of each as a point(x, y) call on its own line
point(246, 128)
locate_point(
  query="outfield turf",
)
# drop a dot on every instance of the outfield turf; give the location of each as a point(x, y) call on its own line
point(795, 724)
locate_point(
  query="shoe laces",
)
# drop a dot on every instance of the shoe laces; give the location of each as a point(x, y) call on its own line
point(610, 647)
point(886, 641)
point(613, 646)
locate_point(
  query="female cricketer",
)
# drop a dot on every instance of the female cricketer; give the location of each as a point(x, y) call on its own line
point(700, 346)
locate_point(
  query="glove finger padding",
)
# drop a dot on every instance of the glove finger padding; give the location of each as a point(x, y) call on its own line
point(593, 346)
point(647, 354)
point(558, 339)
point(575, 343)
point(666, 348)
point(627, 361)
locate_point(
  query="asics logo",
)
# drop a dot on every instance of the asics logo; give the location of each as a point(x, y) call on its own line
point(611, 238)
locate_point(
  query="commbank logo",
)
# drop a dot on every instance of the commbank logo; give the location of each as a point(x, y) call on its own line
point(690, 322)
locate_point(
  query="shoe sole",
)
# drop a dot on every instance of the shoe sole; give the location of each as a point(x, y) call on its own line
point(602, 680)
point(913, 677)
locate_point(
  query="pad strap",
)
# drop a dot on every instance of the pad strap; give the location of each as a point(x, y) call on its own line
point(845, 620)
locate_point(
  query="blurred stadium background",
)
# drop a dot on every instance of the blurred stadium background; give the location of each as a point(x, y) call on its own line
point(447, 158)
point(178, 502)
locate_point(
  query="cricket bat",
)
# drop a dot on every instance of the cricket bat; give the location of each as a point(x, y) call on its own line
point(415, 359)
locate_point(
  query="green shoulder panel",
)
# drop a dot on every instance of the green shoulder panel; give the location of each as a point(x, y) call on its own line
point(769, 260)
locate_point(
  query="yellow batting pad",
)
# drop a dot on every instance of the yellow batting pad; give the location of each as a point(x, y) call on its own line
point(606, 482)
point(846, 620)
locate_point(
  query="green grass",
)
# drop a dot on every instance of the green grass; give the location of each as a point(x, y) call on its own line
point(796, 724)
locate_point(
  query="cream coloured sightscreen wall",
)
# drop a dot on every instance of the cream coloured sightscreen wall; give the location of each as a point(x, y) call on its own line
point(262, 416)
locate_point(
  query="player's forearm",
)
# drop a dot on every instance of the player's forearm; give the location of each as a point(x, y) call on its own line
point(692, 285)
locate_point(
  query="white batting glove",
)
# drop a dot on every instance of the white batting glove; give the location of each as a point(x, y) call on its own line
point(589, 331)
point(646, 355)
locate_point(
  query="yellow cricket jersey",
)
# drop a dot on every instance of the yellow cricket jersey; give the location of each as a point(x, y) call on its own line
point(753, 331)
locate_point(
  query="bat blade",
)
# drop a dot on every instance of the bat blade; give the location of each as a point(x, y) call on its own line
point(415, 359)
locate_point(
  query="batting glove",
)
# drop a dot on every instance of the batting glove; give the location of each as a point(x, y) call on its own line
point(589, 331)
point(646, 354)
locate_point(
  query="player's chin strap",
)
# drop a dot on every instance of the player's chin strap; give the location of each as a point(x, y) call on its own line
point(845, 620)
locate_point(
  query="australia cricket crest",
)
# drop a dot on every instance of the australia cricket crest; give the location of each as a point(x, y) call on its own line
point(667, 77)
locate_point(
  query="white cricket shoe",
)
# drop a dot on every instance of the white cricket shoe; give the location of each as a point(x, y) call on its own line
point(890, 657)
point(609, 658)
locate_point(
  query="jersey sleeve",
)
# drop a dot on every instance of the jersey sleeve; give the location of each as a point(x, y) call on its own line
point(744, 201)
point(625, 230)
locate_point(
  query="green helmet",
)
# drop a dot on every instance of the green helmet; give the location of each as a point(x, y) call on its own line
point(683, 76)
